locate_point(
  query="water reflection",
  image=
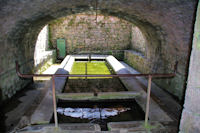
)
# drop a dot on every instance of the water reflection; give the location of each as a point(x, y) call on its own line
point(91, 113)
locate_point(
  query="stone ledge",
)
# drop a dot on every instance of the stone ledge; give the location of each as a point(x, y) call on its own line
point(63, 128)
point(134, 126)
point(132, 84)
point(100, 96)
point(44, 111)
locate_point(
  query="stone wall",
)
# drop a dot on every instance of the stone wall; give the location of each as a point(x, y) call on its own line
point(83, 33)
point(43, 56)
point(10, 83)
point(145, 65)
point(153, 57)
point(138, 41)
point(190, 120)
point(137, 60)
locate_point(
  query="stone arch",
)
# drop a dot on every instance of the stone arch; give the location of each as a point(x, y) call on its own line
point(161, 22)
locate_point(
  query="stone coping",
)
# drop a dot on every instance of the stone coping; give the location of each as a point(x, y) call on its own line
point(44, 111)
point(85, 127)
point(135, 53)
point(134, 126)
point(100, 96)
point(132, 84)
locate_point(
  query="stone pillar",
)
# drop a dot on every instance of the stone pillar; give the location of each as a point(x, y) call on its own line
point(43, 57)
point(41, 46)
point(190, 121)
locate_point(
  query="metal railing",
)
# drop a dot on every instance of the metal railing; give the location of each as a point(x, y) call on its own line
point(150, 76)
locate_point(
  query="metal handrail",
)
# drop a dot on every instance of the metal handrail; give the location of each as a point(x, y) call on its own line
point(150, 76)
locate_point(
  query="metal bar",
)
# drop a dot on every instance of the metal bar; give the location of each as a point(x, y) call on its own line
point(14, 68)
point(89, 57)
point(92, 75)
point(54, 102)
point(148, 101)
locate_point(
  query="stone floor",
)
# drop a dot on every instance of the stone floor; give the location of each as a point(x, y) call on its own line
point(51, 70)
point(25, 103)
point(22, 105)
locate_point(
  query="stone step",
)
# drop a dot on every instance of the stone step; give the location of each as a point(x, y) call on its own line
point(44, 111)
point(133, 126)
point(63, 128)
point(99, 96)
point(93, 56)
point(139, 127)
point(114, 127)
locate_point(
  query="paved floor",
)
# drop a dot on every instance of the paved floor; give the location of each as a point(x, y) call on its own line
point(51, 70)
point(25, 100)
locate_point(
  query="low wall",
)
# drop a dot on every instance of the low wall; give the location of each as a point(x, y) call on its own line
point(132, 84)
point(118, 54)
point(137, 61)
point(175, 85)
point(43, 57)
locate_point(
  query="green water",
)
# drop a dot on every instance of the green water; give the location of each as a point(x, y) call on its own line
point(93, 67)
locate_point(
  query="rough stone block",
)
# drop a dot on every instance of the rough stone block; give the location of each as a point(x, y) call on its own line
point(189, 122)
point(192, 99)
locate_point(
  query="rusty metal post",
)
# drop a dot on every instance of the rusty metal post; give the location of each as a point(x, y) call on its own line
point(148, 100)
point(54, 101)
point(89, 57)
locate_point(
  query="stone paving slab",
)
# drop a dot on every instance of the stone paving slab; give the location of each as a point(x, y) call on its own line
point(44, 111)
point(134, 126)
point(69, 64)
point(15, 115)
point(64, 62)
point(114, 127)
point(51, 70)
point(63, 128)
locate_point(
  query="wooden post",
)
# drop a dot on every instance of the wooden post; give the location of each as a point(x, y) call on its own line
point(148, 100)
point(54, 101)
